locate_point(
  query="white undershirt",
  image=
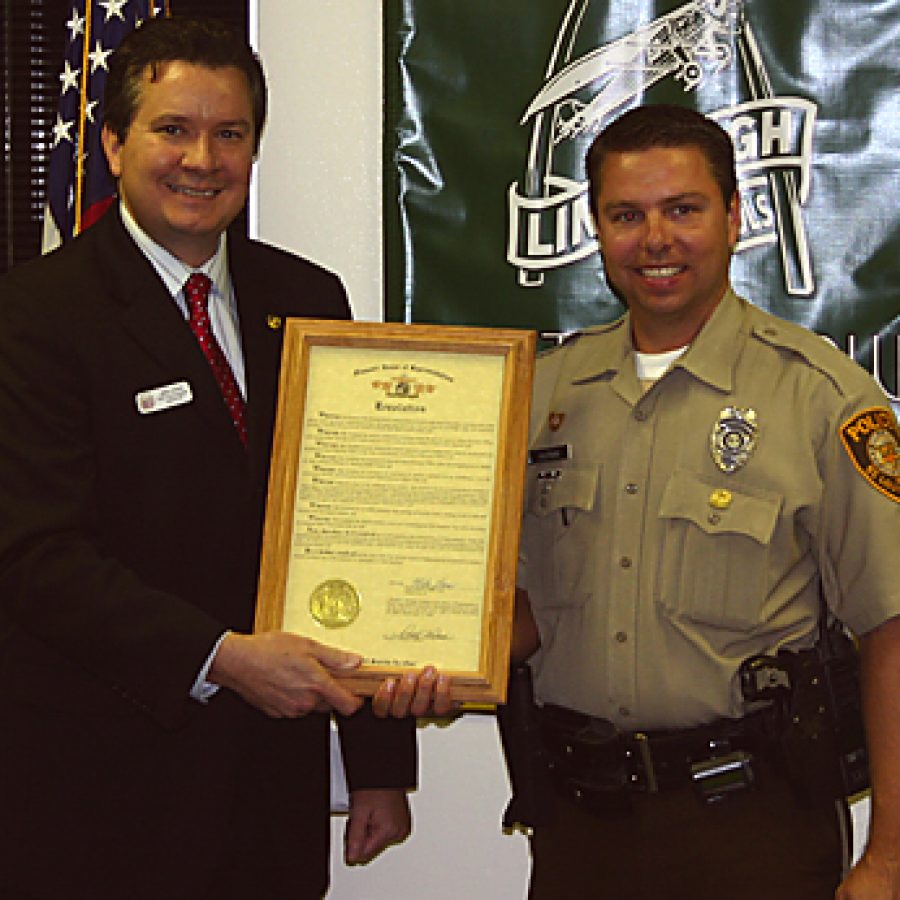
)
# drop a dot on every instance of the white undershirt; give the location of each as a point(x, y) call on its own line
point(651, 367)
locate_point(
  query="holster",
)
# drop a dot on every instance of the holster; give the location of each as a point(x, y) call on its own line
point(824, 741)
point(531, 803)
point(811, 701)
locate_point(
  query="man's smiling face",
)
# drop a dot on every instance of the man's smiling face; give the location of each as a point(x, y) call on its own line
point(666, 237)
point(184, 165)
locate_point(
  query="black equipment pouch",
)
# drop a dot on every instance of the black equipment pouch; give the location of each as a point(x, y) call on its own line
point(814, 711)
point(531, 803)
point(586, 760)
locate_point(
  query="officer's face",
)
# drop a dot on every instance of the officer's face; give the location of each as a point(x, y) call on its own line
point(184, 166)
point(666, 239)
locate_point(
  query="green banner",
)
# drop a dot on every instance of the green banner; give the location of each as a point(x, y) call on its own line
point(491, 106)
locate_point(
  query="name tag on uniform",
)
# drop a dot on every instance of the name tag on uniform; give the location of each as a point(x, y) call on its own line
point(549, 454)
point(162, 398)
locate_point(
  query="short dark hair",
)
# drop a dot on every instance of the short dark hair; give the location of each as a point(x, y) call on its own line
point(664, 125)
point(203, 42)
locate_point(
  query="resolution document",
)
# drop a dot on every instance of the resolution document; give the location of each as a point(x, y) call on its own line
point(393, 504)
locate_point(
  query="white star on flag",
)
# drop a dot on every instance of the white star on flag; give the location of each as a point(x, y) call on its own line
point(75, 25)
point(61, 130)
point(69, 77)
point(98, 57)
point(113, 8)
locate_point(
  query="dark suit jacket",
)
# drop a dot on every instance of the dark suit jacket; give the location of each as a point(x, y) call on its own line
point(127, 543)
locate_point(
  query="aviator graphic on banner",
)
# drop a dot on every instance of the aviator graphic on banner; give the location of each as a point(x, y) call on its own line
point(772, 136)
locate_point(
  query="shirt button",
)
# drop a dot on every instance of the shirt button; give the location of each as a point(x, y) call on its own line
point(714, 518)
point(625, 562)
point(640, 415)
point(631, 488)
point(621, 637)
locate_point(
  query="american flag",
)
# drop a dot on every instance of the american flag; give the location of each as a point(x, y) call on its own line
point(79, 186)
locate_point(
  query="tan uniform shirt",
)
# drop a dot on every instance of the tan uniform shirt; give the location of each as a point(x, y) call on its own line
point(652, 571)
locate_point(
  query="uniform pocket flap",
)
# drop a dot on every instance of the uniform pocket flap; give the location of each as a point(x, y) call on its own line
point(717, 507)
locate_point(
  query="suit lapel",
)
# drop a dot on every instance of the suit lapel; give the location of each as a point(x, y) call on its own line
point(154, 322)
point(261, 339)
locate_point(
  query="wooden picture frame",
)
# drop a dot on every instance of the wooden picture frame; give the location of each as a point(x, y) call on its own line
point(395, 497)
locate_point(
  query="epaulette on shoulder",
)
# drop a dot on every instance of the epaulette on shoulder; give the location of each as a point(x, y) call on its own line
point(818, 352)
point(560, 340)
point(570, 338)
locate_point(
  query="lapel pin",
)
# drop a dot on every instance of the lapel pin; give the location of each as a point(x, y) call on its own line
point(720, 498)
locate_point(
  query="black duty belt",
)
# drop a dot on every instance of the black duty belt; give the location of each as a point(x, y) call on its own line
point(593, 763)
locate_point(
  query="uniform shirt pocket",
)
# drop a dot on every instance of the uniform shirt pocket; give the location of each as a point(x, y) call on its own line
point(714, 560)
point(562, 509)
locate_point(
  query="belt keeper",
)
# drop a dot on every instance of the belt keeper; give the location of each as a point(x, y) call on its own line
point(643, 745)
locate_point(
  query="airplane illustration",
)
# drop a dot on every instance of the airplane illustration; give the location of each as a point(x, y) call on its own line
point(689, 43)
point(692, 42)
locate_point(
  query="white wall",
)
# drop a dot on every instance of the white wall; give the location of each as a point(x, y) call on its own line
point(319, 175)
point(319, 193)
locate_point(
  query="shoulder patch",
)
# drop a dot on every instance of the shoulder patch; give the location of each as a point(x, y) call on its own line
point(872, 440)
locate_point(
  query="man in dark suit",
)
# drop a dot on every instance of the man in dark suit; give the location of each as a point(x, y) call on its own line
point(150, 745)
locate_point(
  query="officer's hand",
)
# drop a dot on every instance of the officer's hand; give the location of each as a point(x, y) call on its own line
point(285, 675)
point(425, 694)
point(872, 878)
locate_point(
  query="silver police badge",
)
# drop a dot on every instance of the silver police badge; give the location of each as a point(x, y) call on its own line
point(733, 438)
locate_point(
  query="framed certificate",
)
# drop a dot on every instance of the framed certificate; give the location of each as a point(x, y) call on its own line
point(395, 497)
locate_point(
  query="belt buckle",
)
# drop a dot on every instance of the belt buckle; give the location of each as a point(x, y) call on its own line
point(719, 776)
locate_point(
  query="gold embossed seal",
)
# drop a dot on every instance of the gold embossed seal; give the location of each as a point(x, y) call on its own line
point(334, 603)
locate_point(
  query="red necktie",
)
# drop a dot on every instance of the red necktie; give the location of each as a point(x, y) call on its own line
point(196, 292)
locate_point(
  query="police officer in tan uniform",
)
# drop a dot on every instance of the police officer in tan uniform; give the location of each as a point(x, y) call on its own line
point(701, 474)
